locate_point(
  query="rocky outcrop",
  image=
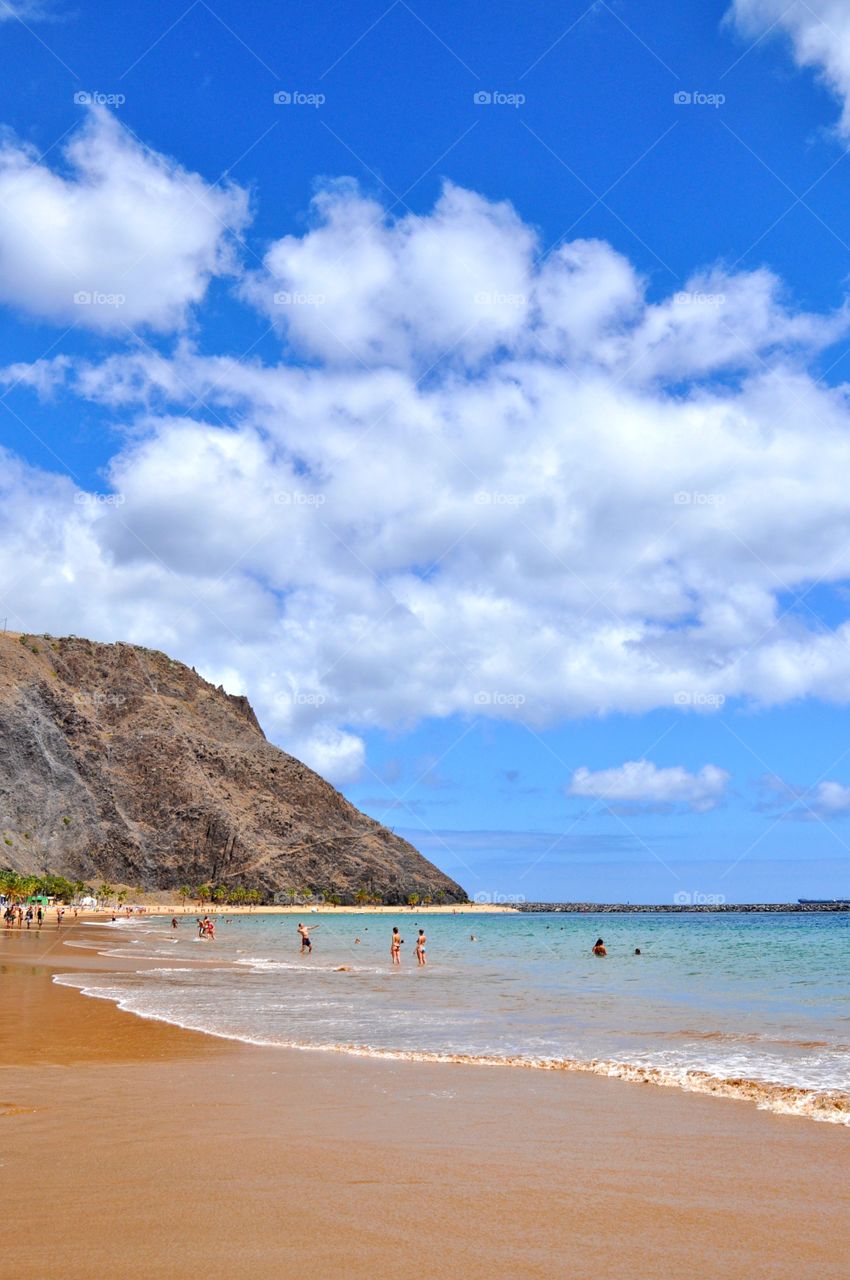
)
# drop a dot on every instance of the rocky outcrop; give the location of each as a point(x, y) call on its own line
point(118, 763)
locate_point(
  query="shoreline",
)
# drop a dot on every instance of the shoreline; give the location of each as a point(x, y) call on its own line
point(822, 1105)
point(354, 1166)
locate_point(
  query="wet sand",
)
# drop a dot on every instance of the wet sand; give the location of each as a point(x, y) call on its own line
point(135, 1149)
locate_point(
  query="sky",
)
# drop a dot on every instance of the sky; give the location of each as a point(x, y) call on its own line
point(467, 386)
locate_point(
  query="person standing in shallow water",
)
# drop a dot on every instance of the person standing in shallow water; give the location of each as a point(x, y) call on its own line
point(599, 948)
point(395, 945)
point(420, 947)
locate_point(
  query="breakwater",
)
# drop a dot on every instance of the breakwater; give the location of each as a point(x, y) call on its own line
point(673, 908)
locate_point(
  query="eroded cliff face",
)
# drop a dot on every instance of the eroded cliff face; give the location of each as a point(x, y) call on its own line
point(118, 763)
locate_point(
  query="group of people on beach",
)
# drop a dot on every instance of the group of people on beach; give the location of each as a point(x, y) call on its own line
point(396, 943)
point(15, 916)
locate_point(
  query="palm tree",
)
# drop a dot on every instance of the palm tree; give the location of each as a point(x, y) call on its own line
point(184, 892)
point(220, 894)
point(203, 893)
point(105, 892)
point(11, 884)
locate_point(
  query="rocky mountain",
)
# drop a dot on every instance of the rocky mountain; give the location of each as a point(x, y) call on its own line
point(118, 763)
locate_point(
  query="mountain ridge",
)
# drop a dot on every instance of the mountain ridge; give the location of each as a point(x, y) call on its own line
point(118, 762)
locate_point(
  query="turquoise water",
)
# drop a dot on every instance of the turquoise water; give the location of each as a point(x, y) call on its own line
point(737, 998)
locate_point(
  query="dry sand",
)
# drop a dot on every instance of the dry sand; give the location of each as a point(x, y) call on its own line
point(134, 1149)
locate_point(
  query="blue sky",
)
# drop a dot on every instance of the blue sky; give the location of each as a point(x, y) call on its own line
point(495, 449)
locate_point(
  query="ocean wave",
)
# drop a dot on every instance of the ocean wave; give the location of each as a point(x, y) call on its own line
point(831, 1106)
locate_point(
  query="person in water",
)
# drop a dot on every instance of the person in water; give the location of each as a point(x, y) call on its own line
point(174, 922)
point(395, 945)
point(599, 948)
point(637, 951)
point(420, 947)
point(306, 944)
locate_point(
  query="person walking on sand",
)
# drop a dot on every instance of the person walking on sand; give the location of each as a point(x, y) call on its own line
point(598, 948)
point(395, 945)
point(420, 948)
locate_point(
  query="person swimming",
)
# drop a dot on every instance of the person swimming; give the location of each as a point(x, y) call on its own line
point(598, 948)
point(420, 947)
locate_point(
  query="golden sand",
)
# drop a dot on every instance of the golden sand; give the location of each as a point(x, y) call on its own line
point(133, 1149)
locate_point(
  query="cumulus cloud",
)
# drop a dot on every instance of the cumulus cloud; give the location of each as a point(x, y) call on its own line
point(824, 800)
point(641, 783)
point(566, 499)
point(118, 237)
point(465, 285)
point(819, 31)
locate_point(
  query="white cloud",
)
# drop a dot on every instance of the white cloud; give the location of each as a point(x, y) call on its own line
point(24, 10)
point(823, 800)
point(831, 798)
point(598, 502)
point(641, 783)
point(819, 31)
point(121, 237)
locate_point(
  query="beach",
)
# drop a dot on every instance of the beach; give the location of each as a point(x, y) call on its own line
point(135, 1145)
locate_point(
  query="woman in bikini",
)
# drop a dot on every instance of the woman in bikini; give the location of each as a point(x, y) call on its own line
point(420, 947)
point(395, 945)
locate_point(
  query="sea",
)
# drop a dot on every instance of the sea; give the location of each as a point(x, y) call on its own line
point(739, 1005)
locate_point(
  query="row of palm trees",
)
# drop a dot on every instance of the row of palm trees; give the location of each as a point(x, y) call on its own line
point(17, 888)
point(224, 895)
